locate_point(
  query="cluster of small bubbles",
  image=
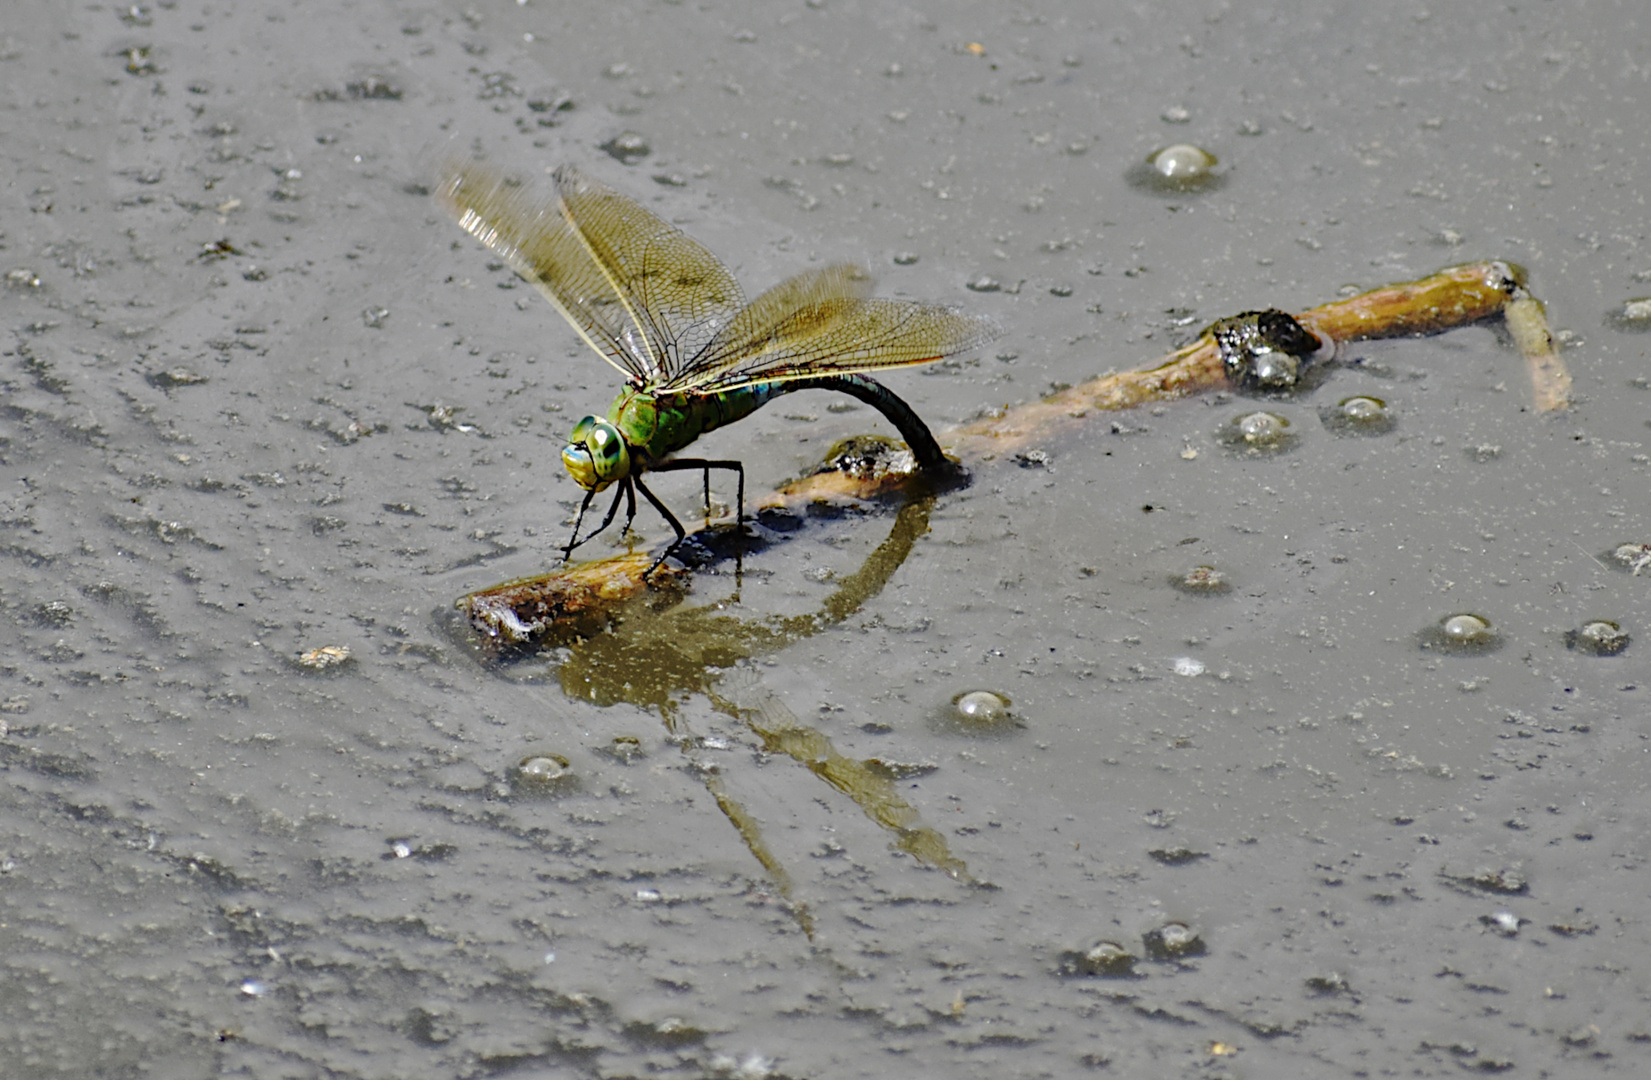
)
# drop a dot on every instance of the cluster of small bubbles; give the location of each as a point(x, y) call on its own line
point(1634, 316)
point(1463, 633)
point(542, 773)
point(1187, 666)
point(1106, 959)
point(1359, 415)
point(1632, 557)
point(1597, 637)
point(1179, 169)
point(1483, 453)
point(978, 712)
point(1172, 941)
point(1257, 433)
point(1201, 581)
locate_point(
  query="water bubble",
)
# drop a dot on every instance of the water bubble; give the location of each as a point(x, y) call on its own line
point(981, 708)
point(1107, 959)
point(1201, 581)
point(1463, 633)
point(1359, 415)
point(1598, 637)
point(253, 988)
point(1179, 169)
point(1257, 433)
point(1172, 941)
point(1183, 161)
point(543, 773)
point(625, 749)
point(977, 713)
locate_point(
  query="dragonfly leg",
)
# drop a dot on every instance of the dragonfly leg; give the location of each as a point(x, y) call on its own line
point(573, 540)
point(731, 464)
point(681, 533)
point(613, 511)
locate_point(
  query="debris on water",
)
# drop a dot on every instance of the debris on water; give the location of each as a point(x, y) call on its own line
point(327, 656)
point(1505, 881)
point(1105, 959)
point(1632, 316)
point(627, 148)
point(1201, 581)
point(1267, 350)
point(1633, 557)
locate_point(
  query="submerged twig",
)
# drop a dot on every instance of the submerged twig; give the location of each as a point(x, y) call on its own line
point(522, 611)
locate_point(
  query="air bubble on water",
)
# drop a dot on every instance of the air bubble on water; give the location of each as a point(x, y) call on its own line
point(1257, 433)
point(1598, 637)
point(1359, 415)
point(1463, 633)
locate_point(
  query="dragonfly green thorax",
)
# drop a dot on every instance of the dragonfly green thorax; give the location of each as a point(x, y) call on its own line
point(670, 317)
point(642, 429)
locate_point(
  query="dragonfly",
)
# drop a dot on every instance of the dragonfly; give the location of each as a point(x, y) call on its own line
point(666, 313)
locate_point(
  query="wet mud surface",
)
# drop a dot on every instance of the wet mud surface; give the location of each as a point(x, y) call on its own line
point(1249, 803)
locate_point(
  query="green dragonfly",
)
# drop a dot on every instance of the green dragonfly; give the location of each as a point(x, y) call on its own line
point(670, 317)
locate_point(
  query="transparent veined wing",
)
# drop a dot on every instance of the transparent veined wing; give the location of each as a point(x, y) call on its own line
point(529, 232)
point(676, 294)
point(841, 335)
point(801, 306)
point(634, 287)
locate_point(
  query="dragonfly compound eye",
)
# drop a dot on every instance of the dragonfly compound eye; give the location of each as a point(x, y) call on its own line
point(597, 455)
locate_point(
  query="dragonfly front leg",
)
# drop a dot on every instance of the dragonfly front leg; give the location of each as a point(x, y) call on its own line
point(625, 492)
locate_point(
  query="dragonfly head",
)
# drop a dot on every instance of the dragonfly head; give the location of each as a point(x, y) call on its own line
point(596, 454)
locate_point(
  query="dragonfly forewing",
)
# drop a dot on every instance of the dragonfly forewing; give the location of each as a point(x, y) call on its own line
point(676, 293)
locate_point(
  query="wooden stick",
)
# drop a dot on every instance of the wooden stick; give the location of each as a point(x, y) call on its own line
point(577, 598)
